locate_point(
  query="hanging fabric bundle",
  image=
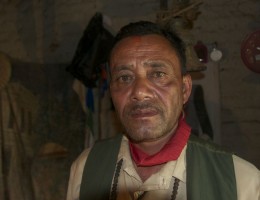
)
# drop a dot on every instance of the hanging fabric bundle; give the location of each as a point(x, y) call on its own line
point(92, 51)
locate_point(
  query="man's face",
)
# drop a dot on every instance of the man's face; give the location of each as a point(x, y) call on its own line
point(147, 88)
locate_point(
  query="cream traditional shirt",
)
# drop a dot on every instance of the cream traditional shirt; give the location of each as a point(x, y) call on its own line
point(160, 185)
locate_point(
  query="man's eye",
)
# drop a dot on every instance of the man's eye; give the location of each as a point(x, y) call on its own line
point(125, 78)
point(158, 74)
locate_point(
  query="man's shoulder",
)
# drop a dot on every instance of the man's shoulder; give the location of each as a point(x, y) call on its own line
point(211, 146)
point(81, 159)
point(243, 167)
point(208, 145)
point(246, 174)
point(247, 178)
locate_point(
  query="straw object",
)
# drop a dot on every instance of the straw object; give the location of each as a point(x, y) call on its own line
point(52, 149)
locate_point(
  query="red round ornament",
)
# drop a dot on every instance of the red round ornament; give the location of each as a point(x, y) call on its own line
point(250, 51)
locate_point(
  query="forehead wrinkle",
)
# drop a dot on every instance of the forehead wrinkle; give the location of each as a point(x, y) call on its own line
point(161, 63)
point(117, 68)
point(142, 49)
point(154, 63)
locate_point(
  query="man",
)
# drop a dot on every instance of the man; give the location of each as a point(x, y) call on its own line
point(157, 158)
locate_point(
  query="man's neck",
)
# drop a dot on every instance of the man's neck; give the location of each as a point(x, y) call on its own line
point(163, 149)
point(150, 156)
point(154, 146)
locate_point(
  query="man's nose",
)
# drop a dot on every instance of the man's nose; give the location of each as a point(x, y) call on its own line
point(141, 89)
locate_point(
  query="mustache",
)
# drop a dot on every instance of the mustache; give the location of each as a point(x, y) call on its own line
point(137, 106)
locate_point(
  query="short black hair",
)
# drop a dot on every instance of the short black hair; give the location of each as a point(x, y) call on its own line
point(146, 28)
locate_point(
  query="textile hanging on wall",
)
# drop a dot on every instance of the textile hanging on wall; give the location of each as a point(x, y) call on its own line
point(92, 51)
point(88, 66)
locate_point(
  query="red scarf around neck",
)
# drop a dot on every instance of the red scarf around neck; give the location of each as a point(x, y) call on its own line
point(171, 150)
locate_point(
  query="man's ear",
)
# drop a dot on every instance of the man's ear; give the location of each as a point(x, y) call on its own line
point(186, 87)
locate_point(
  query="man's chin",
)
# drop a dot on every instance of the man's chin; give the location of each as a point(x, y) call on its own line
point(140, 136)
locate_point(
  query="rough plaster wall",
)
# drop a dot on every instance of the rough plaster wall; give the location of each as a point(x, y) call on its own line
point(48, 31)
point(227, 23)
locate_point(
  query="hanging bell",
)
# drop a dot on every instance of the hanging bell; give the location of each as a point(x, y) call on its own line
point(193, 63)
point(201, 51)
point(179, 25)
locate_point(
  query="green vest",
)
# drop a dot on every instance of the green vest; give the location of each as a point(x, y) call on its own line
point(210, 171)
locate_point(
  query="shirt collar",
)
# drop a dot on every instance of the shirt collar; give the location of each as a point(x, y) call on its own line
point(171, 169)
